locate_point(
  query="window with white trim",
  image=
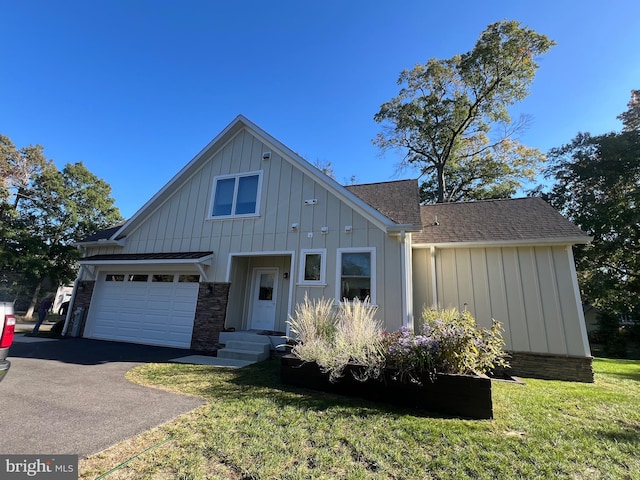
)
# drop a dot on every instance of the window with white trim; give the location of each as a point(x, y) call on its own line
point(236, 195)
point(313, 266)
point(356, 274)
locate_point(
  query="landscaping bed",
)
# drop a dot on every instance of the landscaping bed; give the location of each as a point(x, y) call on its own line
point(458, 395)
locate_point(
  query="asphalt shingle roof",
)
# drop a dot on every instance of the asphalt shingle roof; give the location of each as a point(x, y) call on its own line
point(519, 219)
point(398, 200)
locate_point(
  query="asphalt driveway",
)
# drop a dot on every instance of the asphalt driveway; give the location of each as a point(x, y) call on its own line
point(69, 396)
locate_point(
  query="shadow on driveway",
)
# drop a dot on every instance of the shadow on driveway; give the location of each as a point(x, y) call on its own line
point(84, 351)
point(70, 396)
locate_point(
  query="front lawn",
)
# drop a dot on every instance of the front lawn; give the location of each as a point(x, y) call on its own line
point(255, 428)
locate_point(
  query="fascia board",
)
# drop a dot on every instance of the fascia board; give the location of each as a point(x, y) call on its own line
point(285, 152)
point(222, 138)
point(334, 187)
point(510, 243)
point(175, 261)
point(102, 243)
point(398, 228)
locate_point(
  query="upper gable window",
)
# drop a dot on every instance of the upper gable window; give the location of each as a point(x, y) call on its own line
point(236, 195)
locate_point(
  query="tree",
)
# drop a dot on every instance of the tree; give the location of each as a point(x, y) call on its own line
point(18, 167)
point(54, 209)
point(597, 186)
point(631, 118)
point(451, 116)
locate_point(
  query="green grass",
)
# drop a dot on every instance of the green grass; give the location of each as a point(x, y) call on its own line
point(255, 428)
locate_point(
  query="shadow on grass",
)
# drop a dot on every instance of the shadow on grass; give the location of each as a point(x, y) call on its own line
point(263, 379)
point(628, 434)
point(623, 369)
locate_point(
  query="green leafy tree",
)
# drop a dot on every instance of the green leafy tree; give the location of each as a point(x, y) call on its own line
point(451, 118)
point(43, 211)
point(597, 186)
point(631, 118)
point(60, 208)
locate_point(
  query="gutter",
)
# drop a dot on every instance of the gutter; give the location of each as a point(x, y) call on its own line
point(510, 243)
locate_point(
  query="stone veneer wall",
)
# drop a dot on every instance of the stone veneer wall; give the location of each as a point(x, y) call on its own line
point(84, 292)
point(551, 367)
point(211, 312)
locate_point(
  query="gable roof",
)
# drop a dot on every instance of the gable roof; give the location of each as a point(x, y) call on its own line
point(102, 234)
point(506, 221)
point(237, 125)
point(398, 200)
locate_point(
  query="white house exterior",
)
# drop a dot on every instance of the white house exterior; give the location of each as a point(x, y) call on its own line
point(248, 228)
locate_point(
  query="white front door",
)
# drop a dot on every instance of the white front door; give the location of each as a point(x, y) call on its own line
point(264, 296)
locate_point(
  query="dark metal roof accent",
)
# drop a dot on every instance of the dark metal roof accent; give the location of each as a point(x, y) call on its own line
point(146, 256)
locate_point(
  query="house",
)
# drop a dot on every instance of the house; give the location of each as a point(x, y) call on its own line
point(247, 228)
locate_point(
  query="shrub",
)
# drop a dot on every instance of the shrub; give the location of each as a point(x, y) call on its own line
point(411, 356)
point(450, 342)
point(313, 325)
point(336, 338)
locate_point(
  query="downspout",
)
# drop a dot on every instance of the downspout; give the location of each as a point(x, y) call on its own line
point(406, 281)
point(434, 283)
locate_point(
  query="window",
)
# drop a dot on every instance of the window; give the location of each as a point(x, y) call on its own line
point(136, 277)
point(236, 195)
point(113, 277)
point(356, 274)
point(312, 267)
point(162, 278)
point(189, 278)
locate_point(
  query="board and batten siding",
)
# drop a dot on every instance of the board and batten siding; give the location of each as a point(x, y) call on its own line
point(181, 223)
point(529, 289)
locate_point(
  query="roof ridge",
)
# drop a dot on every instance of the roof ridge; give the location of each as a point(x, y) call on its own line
point(380, 183)
point(486, 200)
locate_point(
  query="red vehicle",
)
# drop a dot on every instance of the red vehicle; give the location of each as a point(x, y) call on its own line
point(7, 327)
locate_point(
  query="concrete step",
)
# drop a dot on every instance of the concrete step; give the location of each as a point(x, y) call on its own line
point(238, 354)
point(251, 346)
point(244, 336)
point(274, 341)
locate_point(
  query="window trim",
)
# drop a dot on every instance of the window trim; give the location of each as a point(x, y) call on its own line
point(236, 176)
point(372, 278)
point(323, 266)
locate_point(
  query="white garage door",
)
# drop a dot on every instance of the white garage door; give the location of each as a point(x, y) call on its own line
point(144, 308)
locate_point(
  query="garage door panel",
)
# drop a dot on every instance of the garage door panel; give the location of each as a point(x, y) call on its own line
point(144, 312)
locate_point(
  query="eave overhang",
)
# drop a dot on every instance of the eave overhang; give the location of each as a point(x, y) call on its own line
point(581, 240)
point(103, 242)
point(173, 258)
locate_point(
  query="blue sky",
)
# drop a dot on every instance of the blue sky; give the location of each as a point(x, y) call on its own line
point(135, 89)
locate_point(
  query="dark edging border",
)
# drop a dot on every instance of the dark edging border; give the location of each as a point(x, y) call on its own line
point(458, 395)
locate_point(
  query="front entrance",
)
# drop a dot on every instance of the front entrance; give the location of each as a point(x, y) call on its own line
point(264, 298)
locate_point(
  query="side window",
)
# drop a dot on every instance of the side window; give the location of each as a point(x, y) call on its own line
point(236, 195)
point(356, 274)
point(313, 267)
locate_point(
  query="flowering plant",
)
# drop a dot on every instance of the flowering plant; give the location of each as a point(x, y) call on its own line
point(411, 356)
point(450, 342)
